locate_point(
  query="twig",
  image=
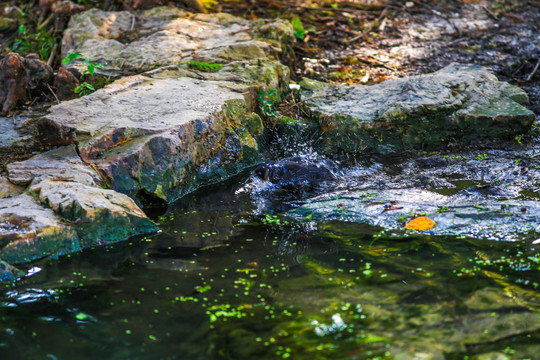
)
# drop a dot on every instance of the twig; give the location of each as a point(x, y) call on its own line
point(301, 101)
point(441, 15)
point(132, 22)
point(53, 54)
point(534, 71)
point(367, 31)
point(52, 91)
point(491, 13)
point(330, 9)
point(47, 21)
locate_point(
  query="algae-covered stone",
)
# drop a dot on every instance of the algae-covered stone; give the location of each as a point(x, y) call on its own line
point(99, 216)
point(453, 215)
point(161, 136)
point(9, 272)
point(75, 212)
point(29, 231)
point(463, 104)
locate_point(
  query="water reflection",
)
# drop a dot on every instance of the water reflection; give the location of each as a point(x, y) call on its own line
point(222, 280)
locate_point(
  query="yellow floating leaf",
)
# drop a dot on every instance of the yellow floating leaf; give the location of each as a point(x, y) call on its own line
point(420, 223)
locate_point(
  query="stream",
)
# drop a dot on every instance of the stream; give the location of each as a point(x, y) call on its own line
point(229, 277)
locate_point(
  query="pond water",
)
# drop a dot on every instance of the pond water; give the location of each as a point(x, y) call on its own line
point(225, 280)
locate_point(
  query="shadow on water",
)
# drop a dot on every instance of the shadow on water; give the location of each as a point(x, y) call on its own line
point(229, 277)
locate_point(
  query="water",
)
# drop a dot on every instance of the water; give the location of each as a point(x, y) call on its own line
point(227, 279)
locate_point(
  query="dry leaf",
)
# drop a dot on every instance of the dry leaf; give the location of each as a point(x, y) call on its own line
point(420, 223)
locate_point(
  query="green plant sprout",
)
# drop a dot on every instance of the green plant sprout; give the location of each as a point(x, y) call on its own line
point(298, 28)
point(90, 66)
point(267, 104)
point(41, 42)
point(84, 88)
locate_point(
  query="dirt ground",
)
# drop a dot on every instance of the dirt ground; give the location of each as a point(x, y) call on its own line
point(369, 41)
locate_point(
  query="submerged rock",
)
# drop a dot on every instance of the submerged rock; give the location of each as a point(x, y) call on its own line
point(295, 173)
point(453, 215)
point(459, 104)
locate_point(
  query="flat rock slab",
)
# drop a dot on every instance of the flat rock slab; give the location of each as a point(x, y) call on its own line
point(123, 41)
point(62, 164)
point(29, 231)
point(99, 216)
point(459, 104)
point(8, 189)
point(454, 215)
point(155, 135)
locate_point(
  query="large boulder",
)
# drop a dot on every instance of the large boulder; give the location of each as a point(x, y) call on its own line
point(160, 137)
point(144, 139)
point(161, 134)
point(66, 209)
point(459, 104)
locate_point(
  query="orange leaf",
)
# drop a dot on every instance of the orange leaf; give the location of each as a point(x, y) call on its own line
point(420, 223)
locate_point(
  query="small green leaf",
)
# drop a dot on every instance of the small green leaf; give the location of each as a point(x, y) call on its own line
point(71, 57)
point(81, 316)
point(299, 30)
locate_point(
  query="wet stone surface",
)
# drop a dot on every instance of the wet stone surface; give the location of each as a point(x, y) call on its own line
point(457, 105)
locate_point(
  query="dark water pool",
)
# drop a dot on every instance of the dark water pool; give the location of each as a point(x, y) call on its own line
point(222, 282)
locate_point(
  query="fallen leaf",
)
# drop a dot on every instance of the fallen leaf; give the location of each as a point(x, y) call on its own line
point(420, 223)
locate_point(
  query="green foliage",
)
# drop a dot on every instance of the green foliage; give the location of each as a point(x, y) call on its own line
point(481, 156)
point(90, 66)
point(40, 42)
point(84, 89)
point(299, 30)
point(71, 57)
point(267, 104)
point(204, 66)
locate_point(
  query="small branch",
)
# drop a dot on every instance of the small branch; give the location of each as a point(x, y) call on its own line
point(442, 16)
point(534, 71)
point(46, 22)
point(301, 101)
point(367, 31)
point(52, 91)
point(491, 13)
point(132, 26)
point(53, 54)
